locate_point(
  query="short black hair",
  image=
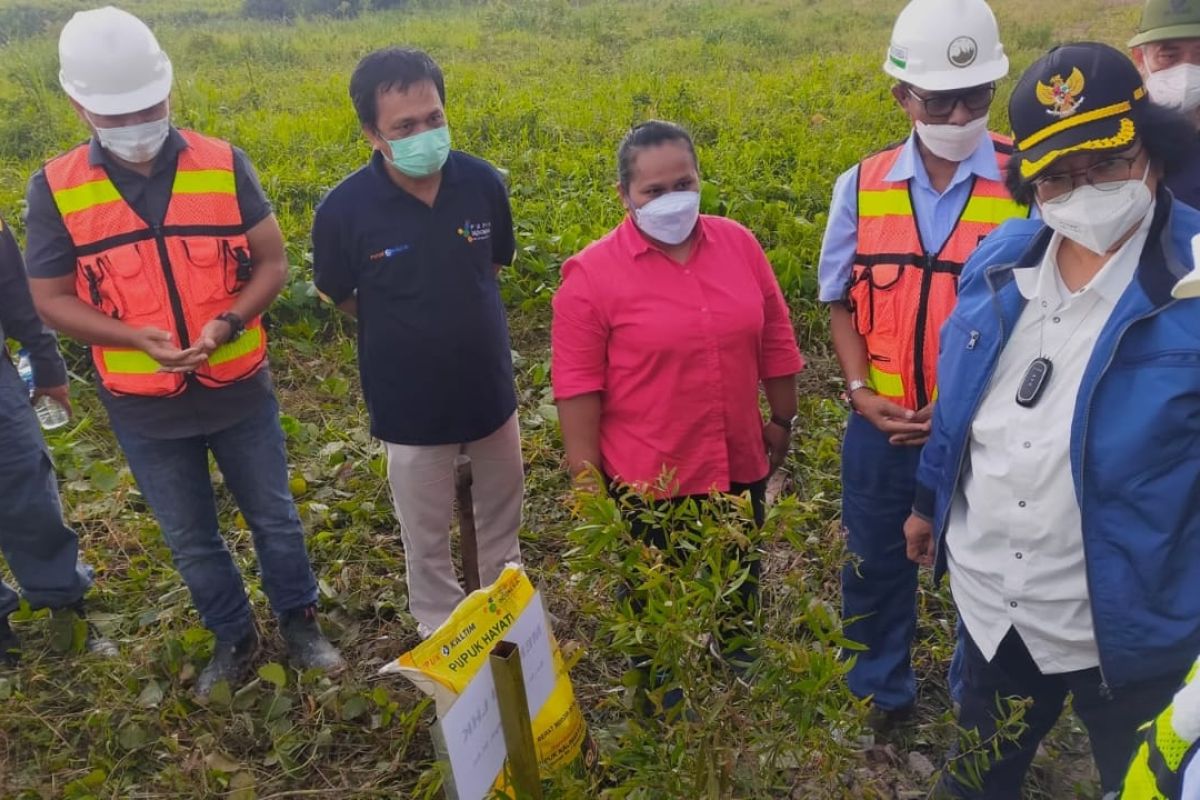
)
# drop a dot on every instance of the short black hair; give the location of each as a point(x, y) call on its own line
point(380, 71)
point(648, 134)
point(1166, 134)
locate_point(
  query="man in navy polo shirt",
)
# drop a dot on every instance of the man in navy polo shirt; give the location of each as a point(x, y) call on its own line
point(411, 244)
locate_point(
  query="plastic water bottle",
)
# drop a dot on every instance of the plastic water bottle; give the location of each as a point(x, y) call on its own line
point(50, 412)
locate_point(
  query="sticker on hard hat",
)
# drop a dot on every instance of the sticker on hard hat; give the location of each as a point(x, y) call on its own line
point(962, 51)
point(898, 56)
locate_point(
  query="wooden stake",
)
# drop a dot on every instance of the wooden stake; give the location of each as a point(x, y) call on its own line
point(466, 522)
point(514, 719)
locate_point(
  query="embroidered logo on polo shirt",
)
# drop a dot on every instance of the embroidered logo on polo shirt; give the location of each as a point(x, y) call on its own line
point(389, 252)
point(475, 231)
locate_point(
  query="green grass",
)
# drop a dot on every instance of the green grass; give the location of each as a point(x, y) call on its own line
point(781, 95)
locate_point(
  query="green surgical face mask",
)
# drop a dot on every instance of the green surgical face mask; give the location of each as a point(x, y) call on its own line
point(423, 154)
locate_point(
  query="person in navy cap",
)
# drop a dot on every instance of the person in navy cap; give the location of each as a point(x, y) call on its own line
point(1060, 488)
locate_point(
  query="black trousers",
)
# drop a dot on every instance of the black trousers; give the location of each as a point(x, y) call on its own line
point(656, 536)
point(1111, 717)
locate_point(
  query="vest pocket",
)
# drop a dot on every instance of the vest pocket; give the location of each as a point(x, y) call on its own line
point(118, 283)
point(217, 268)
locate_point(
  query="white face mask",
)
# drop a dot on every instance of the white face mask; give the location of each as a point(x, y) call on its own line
point(1177, 87)
point(669, 218)
point(953, 142)
point(1098, 220)
point(136, 144)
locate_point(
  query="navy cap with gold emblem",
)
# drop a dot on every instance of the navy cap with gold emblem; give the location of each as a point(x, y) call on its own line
point(1076, 98)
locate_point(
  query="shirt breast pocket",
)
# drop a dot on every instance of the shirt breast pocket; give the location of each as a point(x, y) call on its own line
point(389, 268)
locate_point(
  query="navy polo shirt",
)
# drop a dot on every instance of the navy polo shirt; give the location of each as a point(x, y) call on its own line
point(433, 349)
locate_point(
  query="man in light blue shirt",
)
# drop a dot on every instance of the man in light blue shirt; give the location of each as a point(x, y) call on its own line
point(901, 225)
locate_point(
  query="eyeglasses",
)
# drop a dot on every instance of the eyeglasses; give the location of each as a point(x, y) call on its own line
point(942, 104)
point(1106, 176)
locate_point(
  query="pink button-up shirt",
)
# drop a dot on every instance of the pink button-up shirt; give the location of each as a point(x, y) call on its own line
point(677, 352)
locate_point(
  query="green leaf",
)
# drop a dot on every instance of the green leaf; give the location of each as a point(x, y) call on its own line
point(151, 696)
point(131, 736)
point(219, 762)
point(273, 673)
point(354, 708)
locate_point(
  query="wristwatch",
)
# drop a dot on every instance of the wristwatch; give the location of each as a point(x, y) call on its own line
point(852, 387)
point(783, 422)
point(235, 323)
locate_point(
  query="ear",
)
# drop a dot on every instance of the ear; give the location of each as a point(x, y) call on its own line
point(81, 113)
point(377, 141)
point(625, 201)
point(1139, 58)
point(900, 93)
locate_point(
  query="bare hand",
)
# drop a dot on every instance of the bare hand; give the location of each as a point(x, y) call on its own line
point(160, 345)
point(918, 537)
point(59, 394)
point(925, 415)
point(215, 333)
point(777, 439)
point(888, 417)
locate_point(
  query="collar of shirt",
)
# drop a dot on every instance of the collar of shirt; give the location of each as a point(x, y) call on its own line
point(172, 147)
point(910, 166)
point(635, 244)
point(451, 173)
point(1044, 280)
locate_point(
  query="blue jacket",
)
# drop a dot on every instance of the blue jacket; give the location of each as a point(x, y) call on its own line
point(1135, 438)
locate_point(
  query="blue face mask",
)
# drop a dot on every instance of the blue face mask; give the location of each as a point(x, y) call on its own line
point(422, 154)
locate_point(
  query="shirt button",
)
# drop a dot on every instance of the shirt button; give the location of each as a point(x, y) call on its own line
point(1045, 304)
point(1019, 556)
point(1057, 320)
point(1027, 445)
point(1022, 504)
point(1013, 604)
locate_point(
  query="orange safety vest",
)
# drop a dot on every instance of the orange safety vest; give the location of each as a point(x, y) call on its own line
point(176, 276)
point(900, 293)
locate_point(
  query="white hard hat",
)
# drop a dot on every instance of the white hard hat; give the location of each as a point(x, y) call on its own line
point(110, 63)
point(942, 45)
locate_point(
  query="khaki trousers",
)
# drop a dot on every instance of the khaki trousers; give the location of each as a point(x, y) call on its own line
point(422, 482)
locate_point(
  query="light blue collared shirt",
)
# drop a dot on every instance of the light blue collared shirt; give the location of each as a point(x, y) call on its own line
point(936, 213)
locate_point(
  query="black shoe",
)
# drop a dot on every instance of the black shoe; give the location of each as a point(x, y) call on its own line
point(10, 645)
point(886, 720)
point(307, 646)
point(68, 623)
point(231, 662)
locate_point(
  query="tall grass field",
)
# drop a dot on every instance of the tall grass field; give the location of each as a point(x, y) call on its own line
point(781, 96)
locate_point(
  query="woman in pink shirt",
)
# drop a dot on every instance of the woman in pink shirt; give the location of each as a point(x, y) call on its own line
point(663, 332)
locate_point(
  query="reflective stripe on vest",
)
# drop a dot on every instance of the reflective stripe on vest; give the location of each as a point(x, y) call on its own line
point(899, 292)
point(176, 276)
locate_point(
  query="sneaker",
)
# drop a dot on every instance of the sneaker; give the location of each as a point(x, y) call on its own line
point(64, 624)
point(10, 645)
point(231, 662)
point(307, 646)
point(886, 720)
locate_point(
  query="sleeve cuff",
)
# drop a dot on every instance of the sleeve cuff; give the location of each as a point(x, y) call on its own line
point(924, 502)
point(49, 372)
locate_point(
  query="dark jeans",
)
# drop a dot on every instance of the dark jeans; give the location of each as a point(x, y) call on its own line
point(1111, 721)
point(656, 536)
point(879, 583)
point(173, 475)
point(40, 549)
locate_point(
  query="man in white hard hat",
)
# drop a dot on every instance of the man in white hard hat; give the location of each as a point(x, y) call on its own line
point(901, 225)
point(157, 247)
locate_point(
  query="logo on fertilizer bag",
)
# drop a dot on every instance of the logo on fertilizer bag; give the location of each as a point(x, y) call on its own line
point(475, 231)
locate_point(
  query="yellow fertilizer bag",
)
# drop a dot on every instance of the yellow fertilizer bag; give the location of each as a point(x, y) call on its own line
point(443, 665)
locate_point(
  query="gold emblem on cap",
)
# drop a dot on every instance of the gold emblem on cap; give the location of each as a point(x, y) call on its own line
point(1062, 96)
